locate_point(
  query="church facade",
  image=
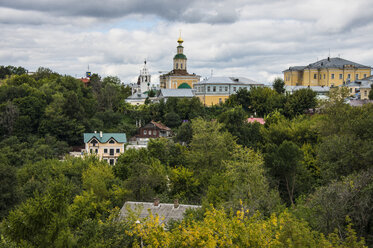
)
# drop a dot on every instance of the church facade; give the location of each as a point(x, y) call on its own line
point(179, 78)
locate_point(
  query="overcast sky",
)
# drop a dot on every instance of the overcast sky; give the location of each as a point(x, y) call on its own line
point(257, 39)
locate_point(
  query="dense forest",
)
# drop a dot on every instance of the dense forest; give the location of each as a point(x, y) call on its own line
point(299, 180)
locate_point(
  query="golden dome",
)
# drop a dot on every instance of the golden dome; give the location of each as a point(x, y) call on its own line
point(180, 40)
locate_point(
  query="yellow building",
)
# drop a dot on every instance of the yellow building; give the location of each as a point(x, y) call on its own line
point(326, 72)
point(216, 90)
point(107, 146)
point(179, 76)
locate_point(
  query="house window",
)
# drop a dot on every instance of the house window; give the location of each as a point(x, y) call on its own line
point(365, 92)
point(315, 76)
point(226, 88)
point(208, 88)
point(105, 150)
point(118, 150)
point(234, 89)
point(214, 88)
point(177, 66)
point(324, 76)
point(350, 90)
point(94, 142)
point(365, 75)
point(154, 133)
point(145, 132)
point(181, 66)
point(96, 151)
point(90, 151)
point(348, 76)
point(111, 152)
point(220, 88)
point(332, 76)
point(111, 161)
point(340, 76)
point(357, 76)
point(111, 142)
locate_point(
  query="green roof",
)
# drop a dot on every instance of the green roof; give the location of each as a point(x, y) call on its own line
point(180, 56)
point(119, 137)
point(184, 86)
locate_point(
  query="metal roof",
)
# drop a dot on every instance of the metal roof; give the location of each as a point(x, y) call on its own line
point(165, 211)
point(119, 137)
point(329, 63)
point(137, 96)
point(228, 80)
point(314, 88)
point(176, 93)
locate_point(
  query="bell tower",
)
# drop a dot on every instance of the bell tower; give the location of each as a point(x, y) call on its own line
point(180, 60)
point(144, 79)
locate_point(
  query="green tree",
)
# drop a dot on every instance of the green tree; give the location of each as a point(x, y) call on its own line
point(279, 85)
point(284, 164)
point(300, 101)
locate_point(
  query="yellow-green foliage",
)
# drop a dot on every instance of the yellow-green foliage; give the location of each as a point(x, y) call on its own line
point(219, 229)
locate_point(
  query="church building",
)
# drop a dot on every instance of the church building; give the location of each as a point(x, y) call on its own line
point(179, 78)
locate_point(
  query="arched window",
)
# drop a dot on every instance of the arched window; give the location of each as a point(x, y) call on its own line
point(181, 66)
point(177, 66)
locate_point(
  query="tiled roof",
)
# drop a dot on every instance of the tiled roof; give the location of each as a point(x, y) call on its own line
point(176, 93)
point(119, 137)
point(157, 125)
point(165, 211)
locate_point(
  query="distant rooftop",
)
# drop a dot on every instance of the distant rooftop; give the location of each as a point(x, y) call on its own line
point(338, 63)
point(176, 93)
point(165, 211)
point(119, 137)
point(228, 80)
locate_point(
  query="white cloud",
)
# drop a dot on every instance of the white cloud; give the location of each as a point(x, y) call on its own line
point(256, 39)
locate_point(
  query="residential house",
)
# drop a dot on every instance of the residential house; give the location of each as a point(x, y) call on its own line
point(107, 146)
point(154, 130)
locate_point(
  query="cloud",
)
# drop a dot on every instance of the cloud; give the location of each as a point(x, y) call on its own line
point(256, 39)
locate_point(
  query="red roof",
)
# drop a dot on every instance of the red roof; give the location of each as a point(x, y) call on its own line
point(252, 120)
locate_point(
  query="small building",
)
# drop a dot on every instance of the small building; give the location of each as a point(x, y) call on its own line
point(175, 93)
point(165, 211)
point(154, 130)
point(107, 146)
point(216, 90)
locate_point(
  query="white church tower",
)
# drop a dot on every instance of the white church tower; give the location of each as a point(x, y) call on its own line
point(144, 79)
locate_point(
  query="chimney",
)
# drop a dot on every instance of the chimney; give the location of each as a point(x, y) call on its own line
point(100, 134)
point(156, 202)
point(176, 203)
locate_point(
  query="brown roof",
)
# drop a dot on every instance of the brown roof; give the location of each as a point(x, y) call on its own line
point(160, 126)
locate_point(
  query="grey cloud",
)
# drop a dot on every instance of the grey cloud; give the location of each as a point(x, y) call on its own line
point(185, 11)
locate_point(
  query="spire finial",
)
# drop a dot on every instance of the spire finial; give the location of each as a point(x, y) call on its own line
point(180, 40)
